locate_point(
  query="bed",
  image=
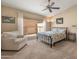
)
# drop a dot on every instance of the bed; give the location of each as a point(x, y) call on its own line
point(56, 34)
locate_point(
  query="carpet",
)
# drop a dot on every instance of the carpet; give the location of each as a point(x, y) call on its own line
point(38, 50)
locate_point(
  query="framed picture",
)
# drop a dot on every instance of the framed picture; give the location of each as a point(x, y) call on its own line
point(7, 19)
point(59, 21)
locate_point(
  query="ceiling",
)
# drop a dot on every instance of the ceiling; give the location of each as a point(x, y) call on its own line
point(36, 6)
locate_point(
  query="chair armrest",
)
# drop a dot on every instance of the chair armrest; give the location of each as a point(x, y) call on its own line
point(19, 40)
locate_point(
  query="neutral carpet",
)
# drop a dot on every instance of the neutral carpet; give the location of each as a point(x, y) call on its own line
point(39, 50)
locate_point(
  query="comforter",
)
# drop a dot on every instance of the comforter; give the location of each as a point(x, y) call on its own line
point(55, 34)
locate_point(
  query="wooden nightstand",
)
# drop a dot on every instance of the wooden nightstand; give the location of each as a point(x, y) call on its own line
point(72, 36)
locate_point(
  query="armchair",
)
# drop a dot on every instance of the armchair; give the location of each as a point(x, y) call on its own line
point(12, 41)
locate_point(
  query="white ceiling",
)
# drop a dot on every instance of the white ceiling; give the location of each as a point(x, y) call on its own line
point(36, 6)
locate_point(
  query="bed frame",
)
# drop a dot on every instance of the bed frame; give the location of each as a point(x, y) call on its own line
point(65, 32)
point(49, 37)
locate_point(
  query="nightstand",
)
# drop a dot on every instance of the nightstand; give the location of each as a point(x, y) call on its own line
point(72, 36)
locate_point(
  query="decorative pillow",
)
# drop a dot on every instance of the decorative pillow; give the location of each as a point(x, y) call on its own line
point(20, 36)
point(54, 29)
point(13, 33)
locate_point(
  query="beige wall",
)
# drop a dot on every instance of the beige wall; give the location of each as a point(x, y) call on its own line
point(6, 11)
point(69, 19)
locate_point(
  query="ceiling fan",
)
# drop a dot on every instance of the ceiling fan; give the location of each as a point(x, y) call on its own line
point(49, 6)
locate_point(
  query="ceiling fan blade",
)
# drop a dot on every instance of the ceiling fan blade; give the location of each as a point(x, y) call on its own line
point(50, 10)
point(48, 2)
point(52, 3)
point(55, 7)
point(44, 9)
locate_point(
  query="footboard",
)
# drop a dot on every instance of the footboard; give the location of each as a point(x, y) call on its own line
point(54, 35)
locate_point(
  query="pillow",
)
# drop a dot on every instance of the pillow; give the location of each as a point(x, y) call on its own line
point(61, 30)
point(13, 34)
point(20, 36)
point(54, 29)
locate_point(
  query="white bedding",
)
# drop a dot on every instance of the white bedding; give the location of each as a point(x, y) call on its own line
point(56, 34)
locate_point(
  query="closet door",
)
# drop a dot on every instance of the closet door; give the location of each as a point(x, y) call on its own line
point(30, 26)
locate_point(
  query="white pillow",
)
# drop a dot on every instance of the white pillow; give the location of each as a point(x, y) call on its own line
point(13, 33)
